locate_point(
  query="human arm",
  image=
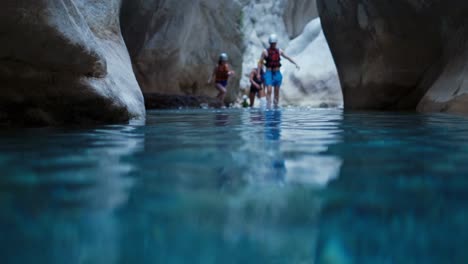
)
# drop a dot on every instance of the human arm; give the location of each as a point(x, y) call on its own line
point(252, 81)
point(289, 59)
point(230, 72)
point(260, 64)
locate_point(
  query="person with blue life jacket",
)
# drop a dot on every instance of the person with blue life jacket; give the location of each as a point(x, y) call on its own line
point(221, 75)
point(273, 77)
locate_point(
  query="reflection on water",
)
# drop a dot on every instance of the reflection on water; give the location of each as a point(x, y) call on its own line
point(59, 191)
point(238, 186)
point(402, 194)
point(217, 187)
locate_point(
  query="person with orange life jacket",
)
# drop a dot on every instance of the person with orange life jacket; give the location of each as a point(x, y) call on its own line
point(221, 74)
point(273, 76)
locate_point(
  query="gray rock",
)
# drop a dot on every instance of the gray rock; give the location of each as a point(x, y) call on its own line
point(65, 62)
point(298, 14)
point(163, 101)
point(401, 54)
point(175, 45)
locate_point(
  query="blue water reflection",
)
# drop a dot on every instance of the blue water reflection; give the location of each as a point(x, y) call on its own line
point(224, 192)
point(238, 186)
point(59, 191)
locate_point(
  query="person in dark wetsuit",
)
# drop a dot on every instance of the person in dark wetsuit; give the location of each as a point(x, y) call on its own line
point(256, 86)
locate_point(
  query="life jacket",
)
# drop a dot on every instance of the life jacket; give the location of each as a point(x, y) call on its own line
point(222, 72)
point(274, 58)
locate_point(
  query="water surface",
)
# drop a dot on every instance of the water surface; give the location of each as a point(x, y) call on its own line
point(238, 186)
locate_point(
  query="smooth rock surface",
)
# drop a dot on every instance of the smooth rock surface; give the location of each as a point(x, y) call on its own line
point(316, 84)
point(399, 55)
point(175, 45)
point(298, 14)
point(65, 62)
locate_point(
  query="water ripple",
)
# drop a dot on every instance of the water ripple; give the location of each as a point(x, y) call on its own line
point(294, 185)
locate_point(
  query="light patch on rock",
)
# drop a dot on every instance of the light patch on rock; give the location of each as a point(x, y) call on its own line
point(363, 18)
point(316, 84)
point(120, 76)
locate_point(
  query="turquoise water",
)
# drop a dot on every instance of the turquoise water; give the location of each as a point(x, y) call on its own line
point(238, 186)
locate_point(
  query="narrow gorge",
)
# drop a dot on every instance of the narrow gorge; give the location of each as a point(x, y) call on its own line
point(82, 61)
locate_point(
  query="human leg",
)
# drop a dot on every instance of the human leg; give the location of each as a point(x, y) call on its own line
point(276, 100)
point(269, 90)
point(222, 91)
point(261, 92)
point(261, 97)
point(252, 98)
point(269, 86)
point(277, 81)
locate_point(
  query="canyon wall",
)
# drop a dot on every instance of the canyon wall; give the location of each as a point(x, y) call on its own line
point(175, 45)
point(403, 55)
point(65, 62)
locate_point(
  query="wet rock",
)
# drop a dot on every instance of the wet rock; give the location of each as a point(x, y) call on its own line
point(403, 55)
point(324, 105)
point(164, 101)
point(65, 62)
point(175, 45)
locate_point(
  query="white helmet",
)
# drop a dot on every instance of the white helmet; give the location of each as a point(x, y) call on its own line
point(223, 57)
point(273, 39)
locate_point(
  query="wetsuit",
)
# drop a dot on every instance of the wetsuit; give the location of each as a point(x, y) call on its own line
point(260, 81)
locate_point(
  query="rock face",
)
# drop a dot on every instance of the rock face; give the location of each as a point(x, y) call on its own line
point(317, 82)
point(175, 45)
point(65, 62)
point(403, 55)
point(298, 14)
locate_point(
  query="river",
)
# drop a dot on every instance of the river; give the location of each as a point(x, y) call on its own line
point(296, 185)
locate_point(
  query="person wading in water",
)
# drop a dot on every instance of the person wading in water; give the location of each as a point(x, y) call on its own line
point(256, 87)
point(273, 76)
point(221, 74)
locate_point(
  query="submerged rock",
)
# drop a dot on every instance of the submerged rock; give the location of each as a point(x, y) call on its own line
point(164, 101)
point(65, 62)
point(175, 45)
point(399, 55)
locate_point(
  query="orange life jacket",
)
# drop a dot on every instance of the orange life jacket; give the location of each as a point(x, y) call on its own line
point(274, 58)
point(222, 72)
